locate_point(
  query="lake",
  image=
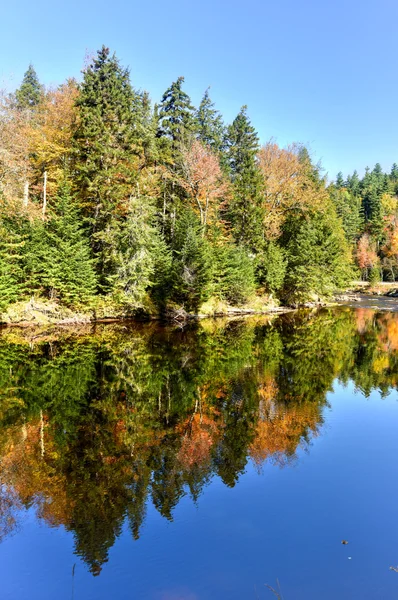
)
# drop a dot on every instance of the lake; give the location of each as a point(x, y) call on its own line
point(207, 462)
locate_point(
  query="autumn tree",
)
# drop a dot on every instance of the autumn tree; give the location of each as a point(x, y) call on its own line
point(203, 180)
point(366, 255)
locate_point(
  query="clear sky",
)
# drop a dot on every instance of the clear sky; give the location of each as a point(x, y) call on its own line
point(320, 72)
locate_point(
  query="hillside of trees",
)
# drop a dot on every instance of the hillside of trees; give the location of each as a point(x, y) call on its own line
point(369, 212)
point(106, 198)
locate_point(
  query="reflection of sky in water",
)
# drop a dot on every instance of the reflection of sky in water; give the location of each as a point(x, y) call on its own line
point(275, 523)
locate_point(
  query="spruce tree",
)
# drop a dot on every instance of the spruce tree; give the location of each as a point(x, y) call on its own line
point(59, 259)
point(394, 172)
point(30, 92)
point(244, 212)
point(318, 257)
point(210, 127)
point(339, 180)
point(176, 116)
point(193, 263)
point(137, 256)
point(353, 183)
point(12, 284)
point(105, 144)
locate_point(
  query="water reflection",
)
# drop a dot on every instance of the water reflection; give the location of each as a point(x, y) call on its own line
point(95, 424)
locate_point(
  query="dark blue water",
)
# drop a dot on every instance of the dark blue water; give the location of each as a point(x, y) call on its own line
point(277, 516)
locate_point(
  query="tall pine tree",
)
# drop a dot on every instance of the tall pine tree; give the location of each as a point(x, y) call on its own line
point(106, 147)
point(176, 117)
point(210, 127)
point(244, 213)
point(30, 92)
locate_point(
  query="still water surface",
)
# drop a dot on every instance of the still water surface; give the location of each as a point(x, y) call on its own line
point(140, 462)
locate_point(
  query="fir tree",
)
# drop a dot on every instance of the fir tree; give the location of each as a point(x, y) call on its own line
point(176, 116)
point(244, 213)
point(318, 257)
point(106, 147)
point(59, 261)
point(210, 125)
point(234, 277)
point(30, 92)
point(394, 172)
point(353, 183)
point(339, 180)
point(193, 263)
point(104, 140)
point(12, 284)
point(137, 256)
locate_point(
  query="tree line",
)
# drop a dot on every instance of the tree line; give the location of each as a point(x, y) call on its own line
point(107, 198)
point(368, 209)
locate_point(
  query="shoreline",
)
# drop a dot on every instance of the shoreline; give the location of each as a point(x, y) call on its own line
point(37, 313)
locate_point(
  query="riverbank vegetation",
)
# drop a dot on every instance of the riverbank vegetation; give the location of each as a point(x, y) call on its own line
point(113, 204)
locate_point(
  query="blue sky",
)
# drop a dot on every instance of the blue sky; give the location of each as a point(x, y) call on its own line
point(323, 73)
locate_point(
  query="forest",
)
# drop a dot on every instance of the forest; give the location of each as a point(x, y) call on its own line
point(110, 202)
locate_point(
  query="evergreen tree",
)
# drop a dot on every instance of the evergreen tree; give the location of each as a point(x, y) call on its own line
point(394, 172)
point(12, 243)
point(106, 149)
point(193, 263)
point(234, 274)
point(176, 116)
point(318, 257)
point(59, 259)
point(353, 183)
point(210, 125)
point(137, 256)
point(30, 92)
point(339, 180)
point(349, 209)
point(244, 212)
point(271, 267)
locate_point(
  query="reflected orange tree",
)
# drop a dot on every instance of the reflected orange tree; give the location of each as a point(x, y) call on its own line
point(96, 424)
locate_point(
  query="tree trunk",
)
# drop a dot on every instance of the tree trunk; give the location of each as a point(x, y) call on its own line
point(26, 193)
point(44, 192)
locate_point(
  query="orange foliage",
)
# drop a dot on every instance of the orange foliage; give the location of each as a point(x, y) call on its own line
point(278, 435)
point(287, 186)
point(203, 180)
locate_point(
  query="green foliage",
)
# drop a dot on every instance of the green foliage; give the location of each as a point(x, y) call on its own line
point(11, 262)
point(176, 116)
point(349, 209)
point(59, 262)
point(271, 267)
point(242, 145)
point(30, 92)
point(234, 279)
point(210, 127)
point(106, 146)
point(318, 258)
point(193, 263)
point(137, 257)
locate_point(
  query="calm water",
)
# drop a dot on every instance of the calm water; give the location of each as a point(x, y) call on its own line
point(140, 462)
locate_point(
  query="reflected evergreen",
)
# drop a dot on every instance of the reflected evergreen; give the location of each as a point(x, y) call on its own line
point(97, 423)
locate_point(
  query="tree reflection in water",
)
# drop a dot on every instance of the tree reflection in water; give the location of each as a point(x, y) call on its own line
point(95, 424)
